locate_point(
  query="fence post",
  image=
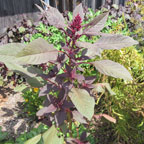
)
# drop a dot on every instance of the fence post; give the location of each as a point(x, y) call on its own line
point(74, 3)
point(85, 3)
point(103, 2)
point(116, 2)
point(64, 5)
point(93, 4)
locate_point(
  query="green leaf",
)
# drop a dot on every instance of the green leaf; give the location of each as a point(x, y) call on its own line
point(20, 88)
point(21, 29)
point(37, 52)
point(34, 140)
point(83, 102)
point(1, 81)
point(50, 136)
point(110, 68)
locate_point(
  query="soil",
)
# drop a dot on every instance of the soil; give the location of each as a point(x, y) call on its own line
point(12, 118)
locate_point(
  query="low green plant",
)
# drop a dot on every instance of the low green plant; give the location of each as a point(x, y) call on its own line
point(33, 102)
point(50, 33)
point(23, 137)
point(3, 135)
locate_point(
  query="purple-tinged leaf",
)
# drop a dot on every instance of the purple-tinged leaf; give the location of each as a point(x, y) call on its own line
point(80, 69)
point(100, 88)
point(106, 42)
point(60, 78)
point(78, 10)
point(111, 119)
point(61, 58)
point(55, 18)
point(40, 8)
point(96, 25)
point(92, 50)
point(9, 51)
point(61, 95)
point(37, 52)
point(110, 68)
point(73, 74)
point(78, 117)
point(60, 116)
point(88, 83)
point(74, 141)
point(79, 77)
point(47, 121)
point(67, 86)
point(83, 136)
point(67, 104)
point(90, 80)
point(49, 109)
point(114, 42)
point(83, 102)
point(45, 90)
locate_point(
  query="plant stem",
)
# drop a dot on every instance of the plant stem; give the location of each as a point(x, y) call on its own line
point(70, 122)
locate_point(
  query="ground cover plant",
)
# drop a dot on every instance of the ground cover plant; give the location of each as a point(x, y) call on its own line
point(69, 90)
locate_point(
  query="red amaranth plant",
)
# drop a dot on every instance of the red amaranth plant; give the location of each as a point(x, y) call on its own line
point(69, 94)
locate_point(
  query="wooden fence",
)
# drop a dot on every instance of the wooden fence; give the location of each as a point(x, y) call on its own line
point(12, 11)
point(63, 5)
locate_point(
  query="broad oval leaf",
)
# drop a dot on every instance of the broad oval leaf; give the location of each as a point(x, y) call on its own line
point(34, 140)
point(9, 51)
point(83, 102)
point(37, 52)
point(110, 68)
point(96, 25)
point(55, 18)
point(106, 42)
point(28, 72)
point(78, 10)
point(50, 136)
point(114, 42)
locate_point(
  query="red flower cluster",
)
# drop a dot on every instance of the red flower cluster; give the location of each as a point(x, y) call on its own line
point(76, 24)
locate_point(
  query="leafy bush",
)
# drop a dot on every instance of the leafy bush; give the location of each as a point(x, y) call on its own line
point(128, 101)
point(70, 94)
